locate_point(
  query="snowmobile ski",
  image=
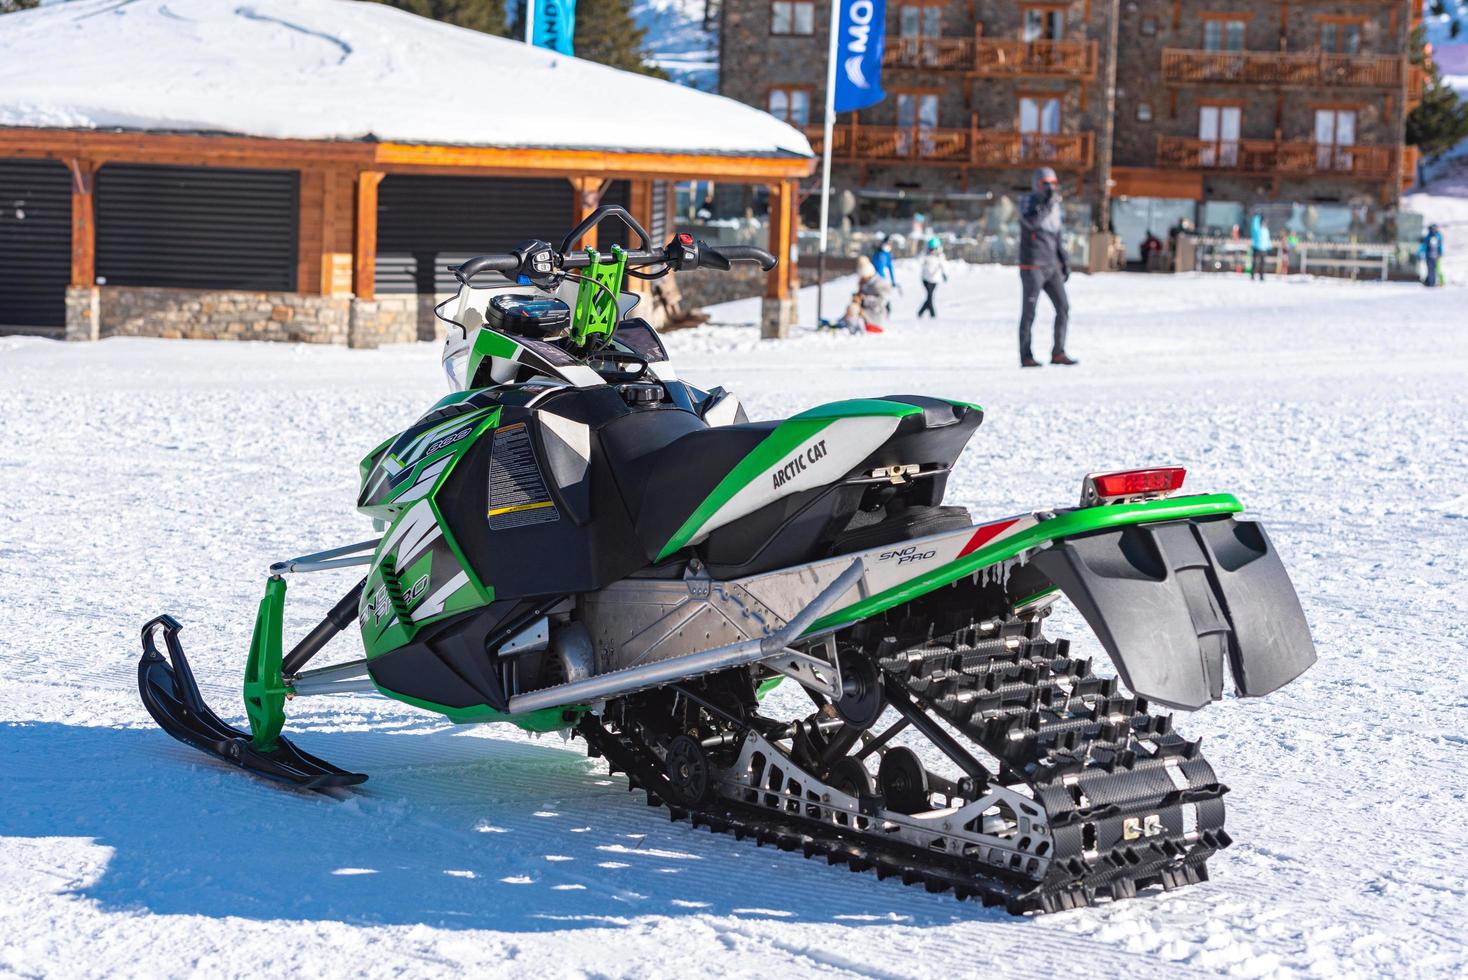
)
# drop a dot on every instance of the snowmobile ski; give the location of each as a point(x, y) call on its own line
point(172, 697)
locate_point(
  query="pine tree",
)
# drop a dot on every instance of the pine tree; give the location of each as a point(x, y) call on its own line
point(478, 15)
point(606, 32)
point(1440, 121)
point(11, 6)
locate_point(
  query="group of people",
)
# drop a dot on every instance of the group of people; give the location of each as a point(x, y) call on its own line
point(1044, 267)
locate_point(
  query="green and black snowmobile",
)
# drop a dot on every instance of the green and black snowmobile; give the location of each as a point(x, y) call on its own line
point(575, 539)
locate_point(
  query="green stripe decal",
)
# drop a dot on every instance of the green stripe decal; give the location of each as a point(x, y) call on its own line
point(1064, 524)
point(776, 446)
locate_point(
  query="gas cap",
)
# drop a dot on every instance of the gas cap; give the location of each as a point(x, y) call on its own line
point(641, 394)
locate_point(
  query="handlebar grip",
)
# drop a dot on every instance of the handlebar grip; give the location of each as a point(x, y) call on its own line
point(748, 253)
point(500, 262)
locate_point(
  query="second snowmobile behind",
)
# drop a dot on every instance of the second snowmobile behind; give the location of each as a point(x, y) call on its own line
point(576, 539)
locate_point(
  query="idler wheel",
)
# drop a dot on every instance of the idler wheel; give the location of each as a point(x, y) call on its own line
point(851, 777)
point(860, 704)
point(903, 780)
point(688, 771)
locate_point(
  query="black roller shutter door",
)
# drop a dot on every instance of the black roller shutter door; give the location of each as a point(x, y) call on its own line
point(35, 242)
point(659, 225)
point(197, 227)
point(425, 224)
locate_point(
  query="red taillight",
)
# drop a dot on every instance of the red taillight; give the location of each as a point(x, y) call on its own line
point(1129, 483)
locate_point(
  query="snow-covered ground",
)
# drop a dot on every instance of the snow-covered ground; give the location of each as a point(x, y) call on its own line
point(145, 476)
point(677, 43)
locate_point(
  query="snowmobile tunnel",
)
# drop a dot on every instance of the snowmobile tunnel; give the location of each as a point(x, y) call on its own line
point(1172, 601)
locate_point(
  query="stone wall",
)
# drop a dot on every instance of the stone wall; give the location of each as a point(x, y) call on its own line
point(219, 314)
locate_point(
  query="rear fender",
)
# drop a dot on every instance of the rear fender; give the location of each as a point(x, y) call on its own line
point(1172, 601)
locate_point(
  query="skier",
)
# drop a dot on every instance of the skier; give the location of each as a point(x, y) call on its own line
point(1043, 265)
point(1260, 246)
point(1431, 251)
point(934, 267)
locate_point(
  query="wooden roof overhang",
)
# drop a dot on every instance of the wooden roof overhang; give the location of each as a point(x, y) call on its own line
point(339, 178)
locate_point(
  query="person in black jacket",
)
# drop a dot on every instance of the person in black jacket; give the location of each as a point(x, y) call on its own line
point(1043, 265)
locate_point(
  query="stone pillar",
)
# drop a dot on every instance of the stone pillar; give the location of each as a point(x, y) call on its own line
point(83, 313)
point(363, 328)
point(776, 317)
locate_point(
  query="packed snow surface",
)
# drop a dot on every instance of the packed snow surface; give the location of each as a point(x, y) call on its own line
point(332, 69)
point(146, 476)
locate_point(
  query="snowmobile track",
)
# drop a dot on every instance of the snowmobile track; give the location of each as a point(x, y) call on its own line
point(1129, 802)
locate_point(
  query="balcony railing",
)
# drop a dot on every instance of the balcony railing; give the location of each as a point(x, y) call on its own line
point(1270, 157)
point(993, 57)
point(1186, 67)
point(985, 148)
point(996, 57)
point(936, 53)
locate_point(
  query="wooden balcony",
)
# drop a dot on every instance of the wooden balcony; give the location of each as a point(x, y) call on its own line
point(1285, 69)
point(930, 53)
point(1291, 159)
point(996, 57)
point(991, 149)
point(993, 57)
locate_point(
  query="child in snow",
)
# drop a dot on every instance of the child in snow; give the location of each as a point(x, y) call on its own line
point(867, 310)
point(933, 268)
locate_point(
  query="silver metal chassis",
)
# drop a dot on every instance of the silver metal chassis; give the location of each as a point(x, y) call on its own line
point(1017, 837)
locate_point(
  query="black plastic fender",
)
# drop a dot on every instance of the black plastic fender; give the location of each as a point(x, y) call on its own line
point(1171, 601)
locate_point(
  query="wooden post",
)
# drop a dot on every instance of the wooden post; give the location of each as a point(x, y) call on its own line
point(586, 199)
point(83, 224)
point(364, 247)
point(777, 312)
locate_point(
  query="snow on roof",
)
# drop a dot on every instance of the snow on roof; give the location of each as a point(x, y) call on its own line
point(335, 69)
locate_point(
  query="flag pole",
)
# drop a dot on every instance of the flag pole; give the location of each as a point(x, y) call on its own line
point(830, 126)
point(529, 21)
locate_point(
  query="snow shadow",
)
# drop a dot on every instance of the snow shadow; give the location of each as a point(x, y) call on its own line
point(453, 831)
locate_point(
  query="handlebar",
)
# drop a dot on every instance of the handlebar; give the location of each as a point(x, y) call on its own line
point(539, 262)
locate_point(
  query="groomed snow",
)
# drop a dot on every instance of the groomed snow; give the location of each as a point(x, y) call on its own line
point(146, 476)
point(333, 69)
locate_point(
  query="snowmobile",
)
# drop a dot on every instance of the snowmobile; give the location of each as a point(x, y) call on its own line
point(577, 540)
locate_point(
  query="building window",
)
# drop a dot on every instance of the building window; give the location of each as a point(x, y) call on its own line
point(1335, 132)
point(1149, 26)
point(790, 105)
point(792, 17)
point(1218, 133)
point(919, 20)
point(1039, 114)
point(1224, 32)
point(1044, 23)
point(1144, 112)
point(1340, 35)
point(917, 117)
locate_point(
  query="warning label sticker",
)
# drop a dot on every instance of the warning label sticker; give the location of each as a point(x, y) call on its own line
point(517, 493)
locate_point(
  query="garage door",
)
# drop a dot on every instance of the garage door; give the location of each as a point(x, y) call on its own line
point(425, 224)
point(197, 227)
point(35, 244)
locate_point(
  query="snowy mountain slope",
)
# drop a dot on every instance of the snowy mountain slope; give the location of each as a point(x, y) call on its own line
point(146, 476)
point(677, 42)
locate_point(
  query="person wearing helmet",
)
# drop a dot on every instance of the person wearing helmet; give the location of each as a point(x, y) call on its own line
point(934, 268)
point(882, 260)
point(1043, 265)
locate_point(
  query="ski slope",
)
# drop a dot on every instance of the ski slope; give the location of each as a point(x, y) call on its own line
point(147, 476)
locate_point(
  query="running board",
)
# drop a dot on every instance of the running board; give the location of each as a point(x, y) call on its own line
point(630, 680)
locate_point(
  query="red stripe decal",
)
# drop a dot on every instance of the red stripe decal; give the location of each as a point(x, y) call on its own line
point(987, 533)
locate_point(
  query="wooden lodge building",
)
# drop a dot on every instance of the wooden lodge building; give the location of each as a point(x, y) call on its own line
point(314, 179)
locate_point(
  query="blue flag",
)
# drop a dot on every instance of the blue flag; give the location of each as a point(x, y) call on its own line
point(555, 24)
point(860, 40)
